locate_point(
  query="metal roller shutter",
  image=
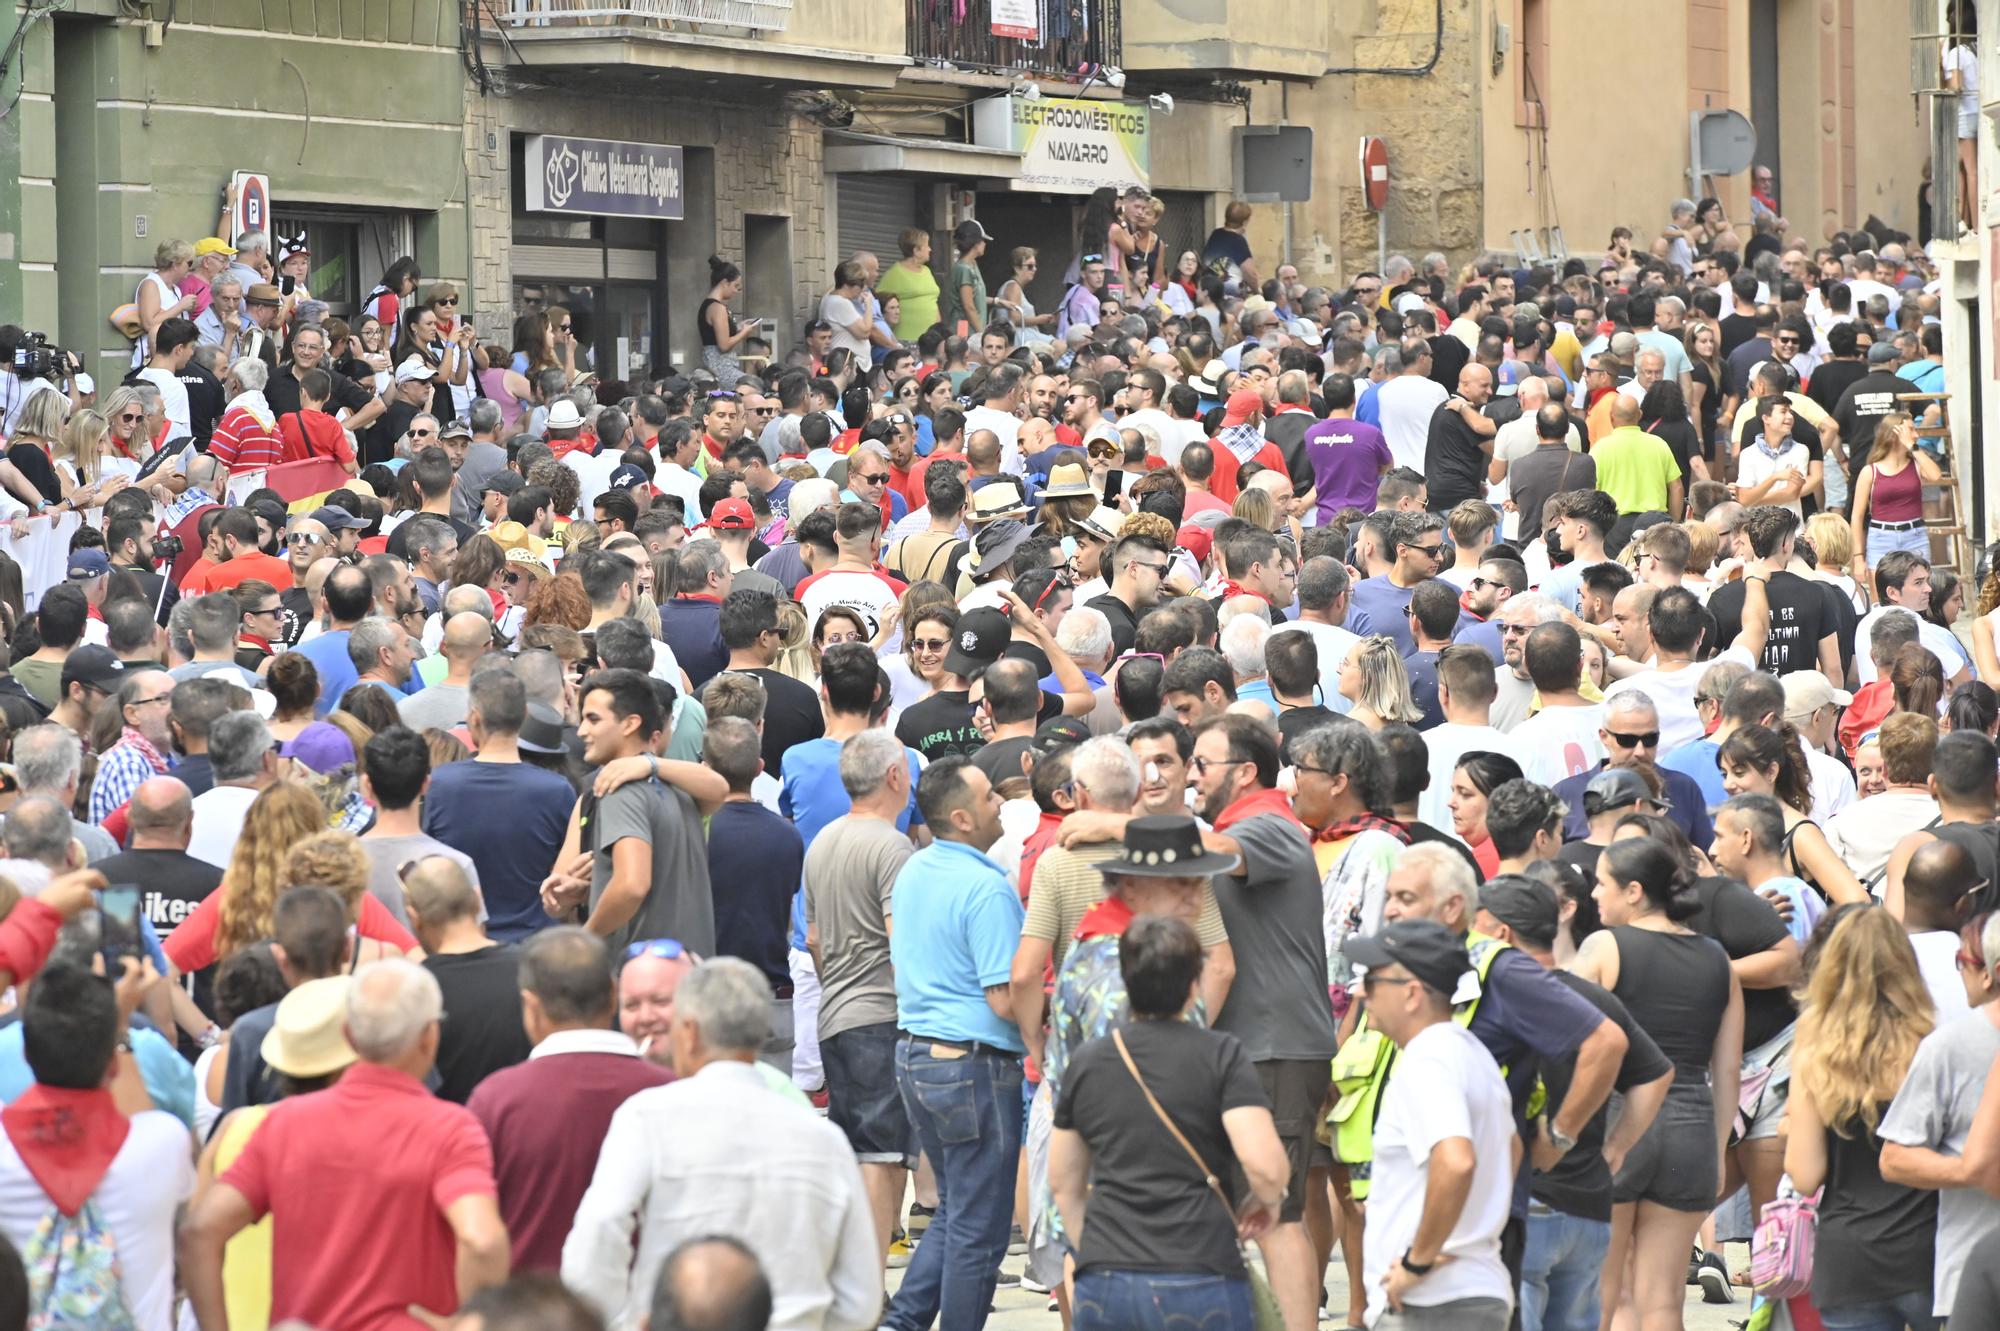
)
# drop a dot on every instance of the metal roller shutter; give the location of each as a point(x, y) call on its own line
point(873, 211)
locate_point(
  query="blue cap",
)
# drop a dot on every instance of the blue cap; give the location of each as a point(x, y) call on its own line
point(89, 563)
point(628, 477)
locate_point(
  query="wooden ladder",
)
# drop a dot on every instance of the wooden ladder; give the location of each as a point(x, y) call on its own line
point(1944, 511)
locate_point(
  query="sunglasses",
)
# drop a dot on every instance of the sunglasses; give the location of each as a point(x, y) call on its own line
point(131, 417)
point(422, 434)
point(1102, 448)
point(449, 300)
point(304, 538)
point(563, 329)
point(721, 395)
point(930, 644)
point(1649, 739)
point(269, 610)
point(871, 477)
point(666, 949)
point(1433, 551)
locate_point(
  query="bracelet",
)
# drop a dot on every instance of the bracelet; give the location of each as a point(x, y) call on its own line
point(1415, 1268)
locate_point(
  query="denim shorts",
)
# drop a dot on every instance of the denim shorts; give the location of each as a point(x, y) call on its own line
point(861, 1095)
point(1674, 1164)
point(1916, 540)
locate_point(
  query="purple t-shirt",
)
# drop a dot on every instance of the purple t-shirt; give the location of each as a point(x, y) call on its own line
point(1347, 459)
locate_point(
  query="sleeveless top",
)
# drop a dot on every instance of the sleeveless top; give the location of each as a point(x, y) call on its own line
point(706, 328)
point(246, 1261)
point(1897, 497)
point(1677, 988)
point(494, 384)
point(142, 350)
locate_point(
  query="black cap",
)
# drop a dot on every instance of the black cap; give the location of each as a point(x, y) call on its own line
point(981, 639)
point(92, 665)
point(1060, 733)
point(1528, 907)
point(503, 482)
point(1616, 788)
point(1424, 948)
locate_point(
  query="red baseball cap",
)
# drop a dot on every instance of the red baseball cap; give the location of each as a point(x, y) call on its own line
point(731, 515)
point(1242, 405)
point(1197, 541)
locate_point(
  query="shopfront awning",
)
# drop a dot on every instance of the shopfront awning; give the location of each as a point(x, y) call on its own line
point(849, 151)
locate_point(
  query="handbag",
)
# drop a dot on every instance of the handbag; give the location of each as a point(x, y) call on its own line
point(1781, 1251)
point(1263, 1304)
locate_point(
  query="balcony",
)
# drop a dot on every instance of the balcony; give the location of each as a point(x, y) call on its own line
point(1228, 39)
point(699, 43)
point(1046, 39)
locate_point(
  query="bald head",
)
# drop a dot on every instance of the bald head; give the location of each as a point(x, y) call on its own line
point(309, 527)
point(316, 576)
point(711, 1284)
point(468, 600)
point(162, 814)
point(1939, 873)
point(467, 636)
point(1534, 391)
point(1624, 409)
point(205, 473)
point(982, 450)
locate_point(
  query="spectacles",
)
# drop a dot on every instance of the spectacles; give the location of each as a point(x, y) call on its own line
point(141, 702)
point(871, 477)
point(1316, 771)
point(1055, 585)
point(1200, 766)
point(1102, 448)
point(1157, 570)
point(422, 434)
point(1516, 630)
point(1371, 980)
point(930, 644)
point(666, 949)
point(1649, 739)
point(1479, 582)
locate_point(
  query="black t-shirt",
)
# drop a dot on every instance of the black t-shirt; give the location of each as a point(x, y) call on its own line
point(1022, 650)
point(940, 726)
point(1681, 441)
point(1448, 357)
point(1580, 1183)
point(1224, 247)
point(754, 860)
point(1454, 462)
point(1001, 759)
point(1150, 1206)
point(1800, 617)
point(791, 716)
point(172, 882)
point(1736, 330)
point(379, 444)
point(1832, 379)
point(298, 613)
point(1745, 924)
point(1296, 721)
point(206, 401)
point(283, 392)
point(1861, 409)
point(35, 465)
point(482, 1030)
point(1584, 855)
point(1124, 626)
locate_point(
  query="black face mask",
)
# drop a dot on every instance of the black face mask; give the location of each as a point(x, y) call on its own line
point(1557, 555)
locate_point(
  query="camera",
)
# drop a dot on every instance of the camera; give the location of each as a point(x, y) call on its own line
point(166, 549)
point(35, 358)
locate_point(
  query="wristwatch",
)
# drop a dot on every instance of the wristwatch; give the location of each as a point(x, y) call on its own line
point(1557, 1137)
point(1415, 1268)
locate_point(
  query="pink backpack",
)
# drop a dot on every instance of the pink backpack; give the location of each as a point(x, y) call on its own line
point(1781, 1251)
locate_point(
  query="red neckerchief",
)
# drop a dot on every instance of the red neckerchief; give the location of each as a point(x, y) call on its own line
point(1038, 841)
point(92, 612)
point(1257, 802)
point(1231, 587)
point(1344, 828)
point(562, 448)
point(1284, 407)
point(699, 596)
point(145, 748)
point(252, 640)
point(67, 1139)
point(1109, 918)
point(712, 446)
point(1466, 609)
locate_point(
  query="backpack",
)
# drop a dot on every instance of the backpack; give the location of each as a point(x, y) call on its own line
point(73, 1274)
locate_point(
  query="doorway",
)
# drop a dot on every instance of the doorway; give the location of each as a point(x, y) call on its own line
point(767, 277)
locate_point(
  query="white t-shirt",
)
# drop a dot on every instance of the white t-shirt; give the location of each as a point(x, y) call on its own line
point(174, 394)
point(1172, 435)
point(841, 312)
point(1447, 745)
point(1560, 742)
point(673, 479)
point(593, 473)
point(866, 591)
point(1941, 641)
point(1937, 960)
point(1754, 466)
point(218, 822)
point(1672, 692)
point(1446, 1085)
point(1005, 427)
point(1333, 643)
point(152, 1174)
point(1403, 409)
point(1833, 788)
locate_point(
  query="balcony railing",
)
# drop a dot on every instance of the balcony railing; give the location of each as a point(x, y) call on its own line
point(736, 15)
point(1072, 38)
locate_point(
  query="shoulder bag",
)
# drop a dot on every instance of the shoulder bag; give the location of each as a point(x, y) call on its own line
point(1263, 1304)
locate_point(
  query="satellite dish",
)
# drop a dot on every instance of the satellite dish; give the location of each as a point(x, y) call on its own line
point(1725, 141)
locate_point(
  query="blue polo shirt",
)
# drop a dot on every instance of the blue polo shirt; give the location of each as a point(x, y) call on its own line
point(1687, 803)
point(1696, 761)
point(958, 922)
point(812, 797)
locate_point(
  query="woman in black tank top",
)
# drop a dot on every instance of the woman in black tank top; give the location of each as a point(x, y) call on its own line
point(1678, 987)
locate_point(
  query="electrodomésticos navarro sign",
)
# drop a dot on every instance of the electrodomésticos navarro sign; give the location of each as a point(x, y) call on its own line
point(604, 177)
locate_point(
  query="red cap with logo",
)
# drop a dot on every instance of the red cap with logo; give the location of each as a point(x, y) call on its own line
point(731, 515)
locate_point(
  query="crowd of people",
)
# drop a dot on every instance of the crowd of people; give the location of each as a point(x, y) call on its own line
point(1475, 772)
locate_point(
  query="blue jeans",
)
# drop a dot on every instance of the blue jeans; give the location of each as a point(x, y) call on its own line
point(1160, 1301)
point(1912, 1310)
point(967, 1113)
point(1560, 1269)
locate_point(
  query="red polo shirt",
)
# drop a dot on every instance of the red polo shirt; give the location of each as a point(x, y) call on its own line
point(356, 1180)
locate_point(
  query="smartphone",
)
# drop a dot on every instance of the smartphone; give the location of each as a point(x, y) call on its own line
point(118, 937)
point(1114, 486)
point(286, 283)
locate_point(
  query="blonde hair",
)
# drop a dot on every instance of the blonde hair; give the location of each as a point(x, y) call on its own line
point(1864, 1010)
point(1832, 540)
point(43, 414)
point(1385, 681)
point(1886, 437)
point(333, 860)
point(171, 252)
point(82, 443)
point(279, 818)
point(1254, 506)
point(1703, 545)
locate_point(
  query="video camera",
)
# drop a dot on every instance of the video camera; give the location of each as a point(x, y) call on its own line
point(35, 358)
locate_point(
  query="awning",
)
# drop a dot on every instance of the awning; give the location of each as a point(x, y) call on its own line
point(851, 151)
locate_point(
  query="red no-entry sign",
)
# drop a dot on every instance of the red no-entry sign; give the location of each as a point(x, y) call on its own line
point(1375, 172)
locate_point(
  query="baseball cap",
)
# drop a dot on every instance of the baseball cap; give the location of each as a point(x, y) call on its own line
point(980, 640)
point(969, 232)
point(1060, 732)
point(412, 369)
point(337, 518)
point(92, 665)
point(1615, 788)
point(1242, 405)
point(88, 563)
point(456, 430)
point(731, 515)
point(1424, 948)
point(1882, 353)
point(1565, 307)
point(1807, 691)
point(208, 245)
point(628, 477)
point(1197, 541)
point(503, 482)
point(1523, 904)
point(1509, 380)
point(322, 746)
point(1409, 301)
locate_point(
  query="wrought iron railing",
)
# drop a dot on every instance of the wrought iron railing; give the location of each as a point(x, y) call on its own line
point(1071, 39)
point(751, 15)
